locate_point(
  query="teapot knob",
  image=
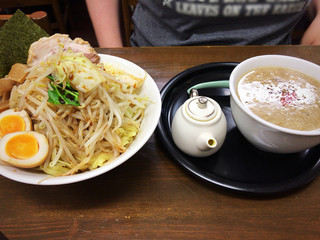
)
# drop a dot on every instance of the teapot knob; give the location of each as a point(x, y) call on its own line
point(202, 102)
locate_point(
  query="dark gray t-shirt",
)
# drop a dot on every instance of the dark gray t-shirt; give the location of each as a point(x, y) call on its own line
point(215, 22)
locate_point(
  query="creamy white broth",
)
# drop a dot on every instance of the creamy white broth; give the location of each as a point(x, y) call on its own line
point(282, 96)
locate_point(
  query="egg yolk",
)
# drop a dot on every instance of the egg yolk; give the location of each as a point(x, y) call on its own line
point(12, 123)
point(22, 146)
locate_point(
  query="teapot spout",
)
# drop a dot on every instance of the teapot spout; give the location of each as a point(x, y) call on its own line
point(206, 142)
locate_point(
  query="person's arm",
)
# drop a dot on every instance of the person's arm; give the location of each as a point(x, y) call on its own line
point(104, 15)
point(312, 34)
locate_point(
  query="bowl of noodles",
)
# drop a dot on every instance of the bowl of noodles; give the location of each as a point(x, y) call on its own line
point(105, 124)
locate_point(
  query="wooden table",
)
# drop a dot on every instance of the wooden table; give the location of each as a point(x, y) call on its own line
point(151, 196)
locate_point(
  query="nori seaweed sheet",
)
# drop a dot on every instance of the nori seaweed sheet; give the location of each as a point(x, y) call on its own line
point(16, 36)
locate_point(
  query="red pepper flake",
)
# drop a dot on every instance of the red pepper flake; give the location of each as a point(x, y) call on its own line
point(288, 97)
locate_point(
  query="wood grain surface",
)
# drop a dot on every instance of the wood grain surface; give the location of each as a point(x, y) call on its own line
point(150, 196)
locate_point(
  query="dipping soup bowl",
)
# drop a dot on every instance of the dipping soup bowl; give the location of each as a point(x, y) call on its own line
point(262, 134)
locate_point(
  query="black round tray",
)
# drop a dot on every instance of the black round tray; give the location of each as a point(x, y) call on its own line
point(238, 165)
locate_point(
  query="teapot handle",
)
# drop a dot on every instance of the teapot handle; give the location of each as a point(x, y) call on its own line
point(212, 84)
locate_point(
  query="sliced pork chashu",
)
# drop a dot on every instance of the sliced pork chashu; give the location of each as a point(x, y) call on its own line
point(47, 46)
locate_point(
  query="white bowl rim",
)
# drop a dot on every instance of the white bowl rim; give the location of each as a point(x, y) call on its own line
point(12, 172)
point(235, 97)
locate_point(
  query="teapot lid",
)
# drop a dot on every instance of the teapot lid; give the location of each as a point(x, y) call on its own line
point(201, 108)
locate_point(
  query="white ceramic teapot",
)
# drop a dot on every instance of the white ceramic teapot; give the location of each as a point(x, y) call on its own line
point(199, 126)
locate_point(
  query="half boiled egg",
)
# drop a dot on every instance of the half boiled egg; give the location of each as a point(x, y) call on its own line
point(13, 121)
point(25, 149)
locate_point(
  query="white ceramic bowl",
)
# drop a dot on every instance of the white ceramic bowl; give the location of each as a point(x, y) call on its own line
point(149, 123)
point(264, 135)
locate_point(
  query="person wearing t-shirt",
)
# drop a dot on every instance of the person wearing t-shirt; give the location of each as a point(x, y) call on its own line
point(205, 22)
